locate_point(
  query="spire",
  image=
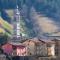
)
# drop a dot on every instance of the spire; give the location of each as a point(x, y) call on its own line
point(17, 10)
point(17, 6)
point(16, 25)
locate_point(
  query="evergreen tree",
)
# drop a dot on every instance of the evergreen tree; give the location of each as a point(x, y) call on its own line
point(3, 39)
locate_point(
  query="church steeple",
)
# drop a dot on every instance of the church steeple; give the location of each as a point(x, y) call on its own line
point(16, 25)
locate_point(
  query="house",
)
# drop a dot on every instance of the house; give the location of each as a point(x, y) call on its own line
point(30, 46)
point(15, 49)
point(19, 49)
point(57, 47)
point(7, 48)
point(50, 48)
point(35, 47)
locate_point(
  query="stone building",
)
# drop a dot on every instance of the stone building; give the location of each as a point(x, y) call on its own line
point(49, 45)
point(36, 47)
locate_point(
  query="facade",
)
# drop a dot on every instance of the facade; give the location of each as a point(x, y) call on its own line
point(30, 47)
point(44, 48)
point(51, 48)
point(57, 47)
point(19, 50)
point(7, 48)
point(15, 49)
point(41, 48)
point(33, 47)
point(36, 47)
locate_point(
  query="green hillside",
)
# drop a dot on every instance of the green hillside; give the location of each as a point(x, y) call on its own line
point(5, 27)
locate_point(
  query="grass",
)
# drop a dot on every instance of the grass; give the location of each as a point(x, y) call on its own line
point(5, 25)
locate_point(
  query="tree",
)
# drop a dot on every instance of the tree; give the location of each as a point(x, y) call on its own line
point(3, 39)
